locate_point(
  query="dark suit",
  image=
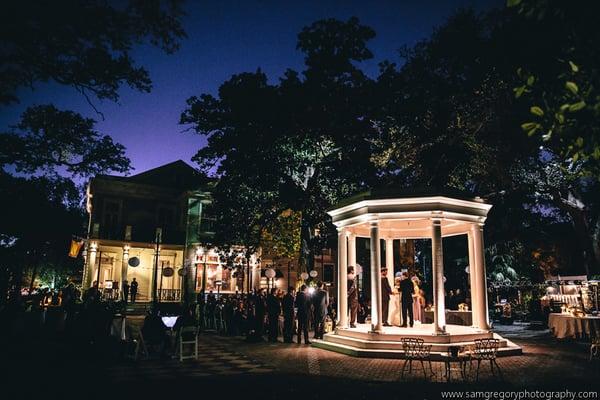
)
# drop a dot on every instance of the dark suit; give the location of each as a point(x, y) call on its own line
point(386, 292)
point(303, 307)
point(407, 289)
point(288, 317)
point(320, 303)
point(353, 300)
point(273, 310)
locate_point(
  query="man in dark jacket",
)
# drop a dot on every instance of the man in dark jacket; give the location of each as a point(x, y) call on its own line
point(133, 290)
point(273, 311)
point(303, 307)
point(352, 298)
point(407, 289)
point(288, 315)
point(320, 303)
point(386, 292)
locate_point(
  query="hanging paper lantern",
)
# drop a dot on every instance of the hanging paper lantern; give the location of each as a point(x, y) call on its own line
point(134, 262)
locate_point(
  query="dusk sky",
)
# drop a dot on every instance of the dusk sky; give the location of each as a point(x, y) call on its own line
point(227, 37)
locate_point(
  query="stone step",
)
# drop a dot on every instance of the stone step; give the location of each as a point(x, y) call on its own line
point(509, 350)
point(395, 344)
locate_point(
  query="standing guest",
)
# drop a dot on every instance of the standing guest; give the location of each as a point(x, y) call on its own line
point(260, 310)
point(352, 297)
point(288, 315)
point(386, 292)
point(407, 289)
point(273, 311)
point(125, 291)
point(320, 303)
point(303, 306)
point(134, 290)
point(419, 305)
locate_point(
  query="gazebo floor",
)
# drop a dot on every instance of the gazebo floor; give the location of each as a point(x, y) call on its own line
point(360, 342)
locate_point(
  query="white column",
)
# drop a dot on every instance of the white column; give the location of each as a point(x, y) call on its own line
point(91, 266)
point(376, 323)
point(342, 282)
point(437, 258)
point(352, 250)
point(124, 265)
point(472, 277)
point(389, 261)
point(480, 306)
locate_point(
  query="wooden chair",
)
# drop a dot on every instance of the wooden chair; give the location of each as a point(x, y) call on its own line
point(416, 350)
point(188, 335)
point(485, 350)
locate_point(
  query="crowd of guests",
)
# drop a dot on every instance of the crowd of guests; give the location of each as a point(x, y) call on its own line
point(261, 315)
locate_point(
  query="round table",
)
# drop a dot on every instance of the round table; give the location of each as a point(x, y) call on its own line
point(565, 326)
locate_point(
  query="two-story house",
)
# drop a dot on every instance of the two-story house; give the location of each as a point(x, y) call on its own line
point(152, 227)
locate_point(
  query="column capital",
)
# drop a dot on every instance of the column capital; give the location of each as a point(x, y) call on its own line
point(476, 226)
point(340, 229)
point(374, 224)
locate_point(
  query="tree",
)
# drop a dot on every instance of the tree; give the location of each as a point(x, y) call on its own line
point(49, 141)
point(449, 118)
point(83, 44)
point(558, 84)
point(303, 141)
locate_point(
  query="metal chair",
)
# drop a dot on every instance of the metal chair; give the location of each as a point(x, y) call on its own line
point(595, 347)
point(187, 335)
point(416, 350)
point(485, 350)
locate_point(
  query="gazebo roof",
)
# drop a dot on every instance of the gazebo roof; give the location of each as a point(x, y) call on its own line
point(409, 214)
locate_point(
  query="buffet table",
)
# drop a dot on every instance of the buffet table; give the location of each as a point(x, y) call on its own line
point(565, 326)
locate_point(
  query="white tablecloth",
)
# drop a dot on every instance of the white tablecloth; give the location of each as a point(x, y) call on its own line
point(567, 326)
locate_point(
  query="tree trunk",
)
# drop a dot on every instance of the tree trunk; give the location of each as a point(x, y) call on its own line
point(587, 231)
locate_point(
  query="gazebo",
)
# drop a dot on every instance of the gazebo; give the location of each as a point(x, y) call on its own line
point(393, 215)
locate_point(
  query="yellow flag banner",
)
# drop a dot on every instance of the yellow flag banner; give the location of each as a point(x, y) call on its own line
point(75, 248)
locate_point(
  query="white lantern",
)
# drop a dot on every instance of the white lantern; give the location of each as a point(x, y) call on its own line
point(304, 276)
point(313, 274)
point(270, 273)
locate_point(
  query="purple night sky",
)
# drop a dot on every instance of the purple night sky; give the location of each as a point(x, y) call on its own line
point(227, 37)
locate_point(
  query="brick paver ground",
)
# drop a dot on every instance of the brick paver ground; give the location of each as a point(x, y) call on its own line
point(229, 367)
point(544, 361)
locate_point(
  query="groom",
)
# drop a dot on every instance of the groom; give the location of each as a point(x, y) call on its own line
point(407, 289)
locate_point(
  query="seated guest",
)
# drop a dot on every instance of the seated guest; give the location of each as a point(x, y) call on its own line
point(185, 319)
point(155, 331)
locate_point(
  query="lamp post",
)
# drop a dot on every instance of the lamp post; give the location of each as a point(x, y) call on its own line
point(157, 252)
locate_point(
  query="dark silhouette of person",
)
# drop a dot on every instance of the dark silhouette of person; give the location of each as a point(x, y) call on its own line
point(260, 310)
point(288, 315)
point(320, 304)
point(155, 331)
point(303, 307)
point(386, 292)
point(353, 300)
point(134, 290)
point(407, 288)
point(273, 311)
point(125, 291)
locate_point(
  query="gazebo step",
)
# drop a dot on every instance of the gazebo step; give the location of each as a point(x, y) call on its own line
point(456, 333)
point(395, 344)
point(510, 349)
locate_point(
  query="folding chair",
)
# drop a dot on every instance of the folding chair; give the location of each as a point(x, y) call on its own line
point(188, 335)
